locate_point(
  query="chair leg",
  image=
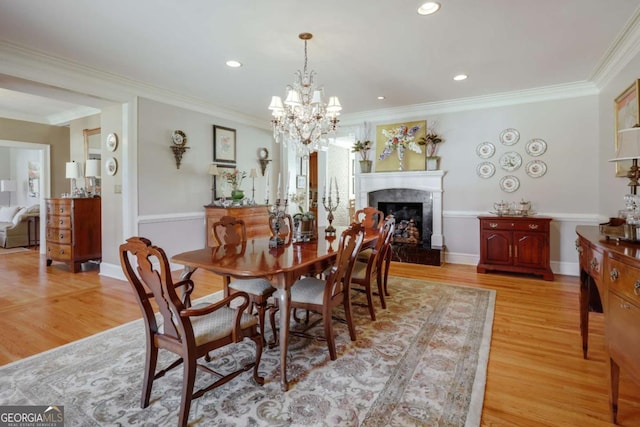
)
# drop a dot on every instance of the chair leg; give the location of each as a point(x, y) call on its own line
point(272, 319)
point(386, 270)
point(349, 316)
point(261, 308)
point(256, 376)
point(380, 288)
point(187, 390)
point(328, 333)
point(149, 373)
point(372, 312)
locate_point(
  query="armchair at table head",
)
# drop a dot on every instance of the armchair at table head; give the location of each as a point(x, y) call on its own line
point(190, 333)
point(231, 230)
point(370, 217)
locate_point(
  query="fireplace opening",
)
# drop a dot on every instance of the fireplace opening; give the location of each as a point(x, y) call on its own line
point(408, 221)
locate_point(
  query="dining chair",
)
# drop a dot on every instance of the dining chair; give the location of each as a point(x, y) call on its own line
point(373, 268)
point(190, 333)
point(233, 231)
point(370, 217)
point(323, 295)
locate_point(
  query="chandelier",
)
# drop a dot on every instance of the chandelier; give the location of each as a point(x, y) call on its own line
point(304, 119)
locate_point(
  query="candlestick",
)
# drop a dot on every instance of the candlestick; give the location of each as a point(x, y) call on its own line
point(330, 207)
point(278, 192)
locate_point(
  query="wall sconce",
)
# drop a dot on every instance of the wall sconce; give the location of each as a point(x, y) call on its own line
point(263, 158)
point(179, 146)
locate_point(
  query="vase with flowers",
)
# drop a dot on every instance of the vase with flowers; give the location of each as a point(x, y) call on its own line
point(235, 178)
point(399, 140)
point(363, 147)
point(430, 142)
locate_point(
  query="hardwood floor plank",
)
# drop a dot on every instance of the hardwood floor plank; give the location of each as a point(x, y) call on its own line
point(536, 374)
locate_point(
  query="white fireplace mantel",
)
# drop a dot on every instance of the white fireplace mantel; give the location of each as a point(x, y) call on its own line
point(430, 181)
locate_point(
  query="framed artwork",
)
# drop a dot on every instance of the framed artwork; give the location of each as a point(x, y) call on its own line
point(384, 136)
point(221, 188)
point(224, 144)
point(301, 181)
point(34, 179)
point(627, 116)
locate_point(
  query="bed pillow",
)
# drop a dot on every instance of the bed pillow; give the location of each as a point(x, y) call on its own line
point(8, 212)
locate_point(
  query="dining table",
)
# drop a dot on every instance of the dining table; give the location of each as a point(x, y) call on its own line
point(281, 265)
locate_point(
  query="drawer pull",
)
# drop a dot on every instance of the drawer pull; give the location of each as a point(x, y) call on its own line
point(614, 274)
point(493, 224)
point(61, 251)
point(61, 222)
point(533, 226)
point(61, 236)
point(594, 264)
point(61, 210)
point(625, 306)
point(578, 246)
point(636, 287)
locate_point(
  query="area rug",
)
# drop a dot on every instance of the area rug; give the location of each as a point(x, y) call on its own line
point(421, 363)
point(4, 251)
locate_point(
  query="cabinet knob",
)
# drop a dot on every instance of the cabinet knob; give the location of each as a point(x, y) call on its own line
point(61, 210)
point(594, 264)
point(61, 222)
point(625, 306)
point(61, 251)
point(533, 226)
point(636, 287)
point(614, 274)
point(61, 236)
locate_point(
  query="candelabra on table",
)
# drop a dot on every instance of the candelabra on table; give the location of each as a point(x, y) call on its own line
point(277, 214)
point(330, 207)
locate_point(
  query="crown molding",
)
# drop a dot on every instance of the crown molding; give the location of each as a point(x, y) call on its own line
point(624, 48)
point(546, 93)
point(19, 61)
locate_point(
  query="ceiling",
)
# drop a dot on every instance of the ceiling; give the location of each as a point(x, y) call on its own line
point(361, 49)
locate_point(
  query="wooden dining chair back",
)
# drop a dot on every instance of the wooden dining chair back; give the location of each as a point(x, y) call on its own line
point(232, 231)
point(370, 217)
point(190, 333)
point(372, 268)
point(323, 295)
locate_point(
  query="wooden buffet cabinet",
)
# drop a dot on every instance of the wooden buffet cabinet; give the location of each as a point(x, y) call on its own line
point(613, 269)
point(256, 219)
point(515, 244)
point(74, 231)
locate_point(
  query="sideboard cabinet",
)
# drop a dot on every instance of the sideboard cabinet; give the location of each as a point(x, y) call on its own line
point(515, 244)
point(614, 268)
point(256, 219)
point(74, 231)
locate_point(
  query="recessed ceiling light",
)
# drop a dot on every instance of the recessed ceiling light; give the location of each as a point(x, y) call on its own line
point(381, 98)
point(233, 64)
point(460, 77)
point(428, 8)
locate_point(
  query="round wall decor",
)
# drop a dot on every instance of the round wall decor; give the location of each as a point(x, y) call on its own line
point(111, 166)
point(112, 142)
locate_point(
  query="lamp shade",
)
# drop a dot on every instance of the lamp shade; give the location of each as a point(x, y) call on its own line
point(628, 145)
point(73, 171)
point(213, 170)
point(92, 168)
point(253, 173)
point(8, 185)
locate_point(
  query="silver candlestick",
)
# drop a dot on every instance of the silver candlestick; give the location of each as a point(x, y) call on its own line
point(330, 207)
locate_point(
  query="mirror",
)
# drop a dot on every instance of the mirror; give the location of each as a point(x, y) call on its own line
point(92, 151)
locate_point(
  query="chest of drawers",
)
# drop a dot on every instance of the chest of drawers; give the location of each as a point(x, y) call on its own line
point(74, 231)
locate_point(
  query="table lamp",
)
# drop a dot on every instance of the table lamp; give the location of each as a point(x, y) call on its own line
point(73, 173)
point(629, 149)
point(9, 186)
point(213, 171)
point(92, 171)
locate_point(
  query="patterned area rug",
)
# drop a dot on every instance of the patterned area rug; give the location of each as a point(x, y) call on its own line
point(421, 363)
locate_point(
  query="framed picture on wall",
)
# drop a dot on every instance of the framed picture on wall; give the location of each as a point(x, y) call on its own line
point(221, 187)
point(627, 116)
point(301, 181)
point(224, 144)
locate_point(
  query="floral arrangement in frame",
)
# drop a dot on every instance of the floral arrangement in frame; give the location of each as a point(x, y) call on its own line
point(406, 134)
point(224, 144)
point(627, 115)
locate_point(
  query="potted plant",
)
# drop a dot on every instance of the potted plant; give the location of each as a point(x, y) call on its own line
point(363, 148)
point(431, 141)
point(235, 180)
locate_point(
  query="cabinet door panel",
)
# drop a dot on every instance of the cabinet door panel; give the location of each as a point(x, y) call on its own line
point(530, 249)
point(496, 247)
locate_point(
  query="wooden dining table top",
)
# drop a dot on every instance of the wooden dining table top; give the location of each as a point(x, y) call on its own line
point(255, 258)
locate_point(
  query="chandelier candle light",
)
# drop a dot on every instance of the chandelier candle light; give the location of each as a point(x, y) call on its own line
point(304, 119)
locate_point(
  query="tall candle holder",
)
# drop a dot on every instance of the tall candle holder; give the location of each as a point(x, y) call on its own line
point(277, 214)
point(330, 207)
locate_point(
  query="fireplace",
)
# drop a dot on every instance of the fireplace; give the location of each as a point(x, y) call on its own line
point(412, 197)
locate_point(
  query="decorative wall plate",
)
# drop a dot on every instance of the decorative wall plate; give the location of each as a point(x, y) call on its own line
point(509, 184)
point(485, 150)
point(485, 170)
point(536, 168)
point(111, 166)
point(536, 147)
point(179, 138)
point(510, 161)
point(509, 136)
point(112, 142)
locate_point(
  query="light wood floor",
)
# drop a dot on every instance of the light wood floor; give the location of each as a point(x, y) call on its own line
point(536, 375)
